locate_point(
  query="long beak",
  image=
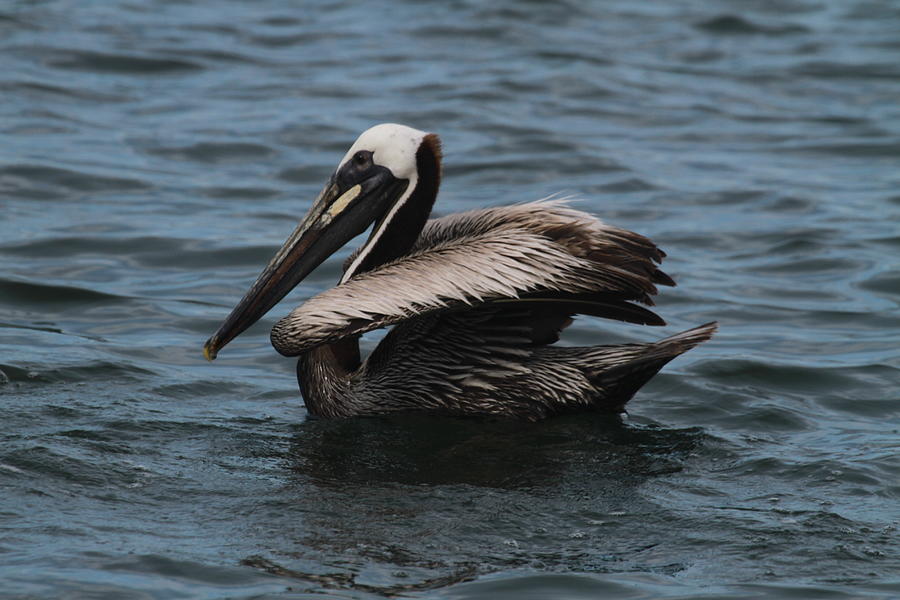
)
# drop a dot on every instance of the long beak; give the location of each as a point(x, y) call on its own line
point(335, 218)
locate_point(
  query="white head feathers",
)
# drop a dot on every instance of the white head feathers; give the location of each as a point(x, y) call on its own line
point(392, 146)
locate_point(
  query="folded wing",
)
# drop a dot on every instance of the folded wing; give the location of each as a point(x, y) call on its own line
point(536, 252)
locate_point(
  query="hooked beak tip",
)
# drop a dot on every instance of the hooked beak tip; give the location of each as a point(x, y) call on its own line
point(209, 350)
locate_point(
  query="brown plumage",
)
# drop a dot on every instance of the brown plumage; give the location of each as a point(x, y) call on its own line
point(477, 301)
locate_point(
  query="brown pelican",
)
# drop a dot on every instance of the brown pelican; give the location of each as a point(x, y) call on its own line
point(477, 299)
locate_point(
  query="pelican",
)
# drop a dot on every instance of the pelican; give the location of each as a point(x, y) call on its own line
point(476, 299)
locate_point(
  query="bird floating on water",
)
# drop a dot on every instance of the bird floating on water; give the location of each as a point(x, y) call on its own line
point(476, 299)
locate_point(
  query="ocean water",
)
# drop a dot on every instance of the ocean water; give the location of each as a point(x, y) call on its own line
point(155, 155)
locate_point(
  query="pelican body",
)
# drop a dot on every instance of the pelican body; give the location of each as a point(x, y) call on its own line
point(476, 299)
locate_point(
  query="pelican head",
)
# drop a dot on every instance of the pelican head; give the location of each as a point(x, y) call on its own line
point(389, 175)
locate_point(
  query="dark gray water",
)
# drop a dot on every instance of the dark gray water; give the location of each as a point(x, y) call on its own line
point(154, 155)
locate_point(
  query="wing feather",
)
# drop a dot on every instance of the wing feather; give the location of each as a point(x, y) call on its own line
point(538, 249)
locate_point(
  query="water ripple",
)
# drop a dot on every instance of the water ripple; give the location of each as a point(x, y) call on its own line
point(91, 61)
point(154, 158)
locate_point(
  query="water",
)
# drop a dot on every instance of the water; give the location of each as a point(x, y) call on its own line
point(155, 155)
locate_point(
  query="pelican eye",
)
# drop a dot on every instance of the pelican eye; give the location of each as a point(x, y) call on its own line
point(362, 158)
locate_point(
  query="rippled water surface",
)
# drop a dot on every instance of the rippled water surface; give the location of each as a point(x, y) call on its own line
point(154, 156)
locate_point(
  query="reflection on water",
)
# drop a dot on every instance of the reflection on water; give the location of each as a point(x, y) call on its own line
point(434, 451)
point(154, 158)
point(406, 491)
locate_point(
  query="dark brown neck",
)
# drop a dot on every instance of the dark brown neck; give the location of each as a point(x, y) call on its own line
point(407, 222)
point(324, 372)
point(324, 377)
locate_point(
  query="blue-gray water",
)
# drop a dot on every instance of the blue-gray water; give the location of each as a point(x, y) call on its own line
point(154, 155)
